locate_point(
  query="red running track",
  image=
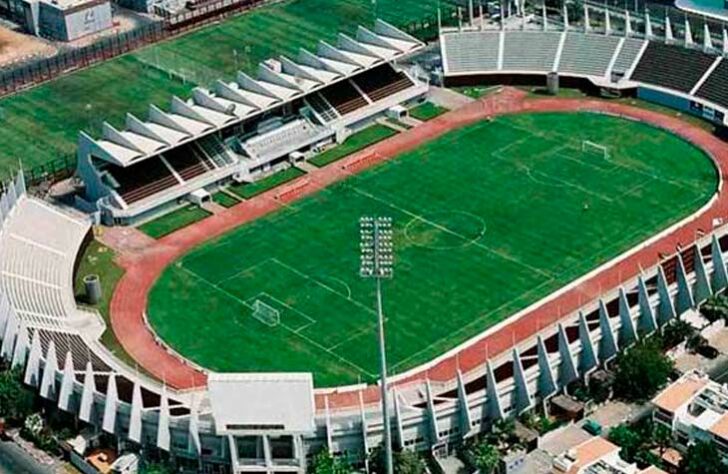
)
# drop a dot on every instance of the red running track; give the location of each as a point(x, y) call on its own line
point(144, 266)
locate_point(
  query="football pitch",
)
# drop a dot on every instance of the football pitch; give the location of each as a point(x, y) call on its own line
point(487, 220)
point(42, 124)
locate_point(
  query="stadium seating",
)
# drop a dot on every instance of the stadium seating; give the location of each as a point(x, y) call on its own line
point(344, 97)
point(381, 82)
point(587, 55)
point(520, 52)
point(186, 162)
point(36, 262)
point(627, 55)
point(673, 67)
point(74, 343)
point(323, 109)
point(214, 151)
point(472, 51)
point(715, 87)
point(142, 180)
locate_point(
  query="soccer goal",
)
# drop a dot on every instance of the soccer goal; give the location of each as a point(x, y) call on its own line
point(596, 148)
point(266, 313)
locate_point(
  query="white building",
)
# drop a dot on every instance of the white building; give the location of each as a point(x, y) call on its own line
point(695, 408)
point(597, 456)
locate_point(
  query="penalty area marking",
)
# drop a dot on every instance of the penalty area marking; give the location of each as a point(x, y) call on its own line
point(318, 345)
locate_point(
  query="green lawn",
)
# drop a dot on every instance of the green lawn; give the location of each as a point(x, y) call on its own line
point(487, 219)
point(427, 111)
point(224, 199)
point(39, 125)
point(476, 92)
point(174, 220)
point(359, 140)
point(99, 260)
point(247, 191)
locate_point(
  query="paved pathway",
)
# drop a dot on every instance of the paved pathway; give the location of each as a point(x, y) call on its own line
point(448, 98)
point(14, 460)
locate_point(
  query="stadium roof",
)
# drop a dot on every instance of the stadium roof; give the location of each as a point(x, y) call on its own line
point(277, 83)
point(275, 402)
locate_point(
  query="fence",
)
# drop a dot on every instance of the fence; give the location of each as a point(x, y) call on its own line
point(51, 172)
point(36, 71)
point(39, 70)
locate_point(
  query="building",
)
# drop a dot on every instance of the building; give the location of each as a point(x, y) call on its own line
point(715, 9)
point(694, 408)
point(245, 129)
point(599, 61)
point(242, 127)
point(597, 456)
point(61, 20)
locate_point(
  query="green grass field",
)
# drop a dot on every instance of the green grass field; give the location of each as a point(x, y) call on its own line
point(99, 260)
point(174, 220)
point(427, 111)
point(247, 191)
point(488, 219)
point(224, 199)
point(357, 141)
point(39, 125)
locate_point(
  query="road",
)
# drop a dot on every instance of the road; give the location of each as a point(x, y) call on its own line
point(13, 460)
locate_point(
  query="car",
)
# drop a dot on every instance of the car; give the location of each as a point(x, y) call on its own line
point(592, 427)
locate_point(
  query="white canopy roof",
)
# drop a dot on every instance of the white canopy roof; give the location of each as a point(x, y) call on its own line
point(262, 402)
point(229, 103)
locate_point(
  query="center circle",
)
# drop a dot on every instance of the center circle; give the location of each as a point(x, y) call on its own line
point(444, 230)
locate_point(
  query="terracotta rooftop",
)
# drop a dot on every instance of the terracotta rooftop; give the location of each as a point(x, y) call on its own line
point(721, 427)
point(679, 393)
point(653, 470)
point(590, 451)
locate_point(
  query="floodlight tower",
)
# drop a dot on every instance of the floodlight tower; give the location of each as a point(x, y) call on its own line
point(377, 261)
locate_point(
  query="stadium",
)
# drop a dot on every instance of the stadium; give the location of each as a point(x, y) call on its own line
point(535, 235)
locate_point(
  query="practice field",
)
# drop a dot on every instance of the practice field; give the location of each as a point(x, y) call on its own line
point(488, 219)
point(39, 125)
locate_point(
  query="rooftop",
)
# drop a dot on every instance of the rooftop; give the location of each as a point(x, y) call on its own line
point(597, 456)
point(681, 392)
point(280, 402)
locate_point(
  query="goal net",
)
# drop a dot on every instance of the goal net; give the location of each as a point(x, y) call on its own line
point(266, 314)
point(595, 148)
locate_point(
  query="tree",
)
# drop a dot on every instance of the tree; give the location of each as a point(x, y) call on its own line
point(676, 332)
point(628, 439)
point(701, 458)
point(503, 434)
point(405, 462)
point(641, 371)
point(156, 468)
point(716, 307)
point(695, 342)
point(484, 456)
point(16, 401)
point(661, 438)
point(324, 463)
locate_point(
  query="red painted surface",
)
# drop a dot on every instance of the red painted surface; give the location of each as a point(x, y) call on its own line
point(143, 267)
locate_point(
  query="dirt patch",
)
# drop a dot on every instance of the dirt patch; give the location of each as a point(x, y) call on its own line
point(15, 47)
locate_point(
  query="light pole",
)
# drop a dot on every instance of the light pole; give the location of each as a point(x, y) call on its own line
point(376, 261)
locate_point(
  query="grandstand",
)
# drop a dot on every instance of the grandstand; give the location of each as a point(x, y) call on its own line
point(672, 67)
point(241, 129)
point(574, 61)
point(670, 74)
point(72, 371)
point(227, 132)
